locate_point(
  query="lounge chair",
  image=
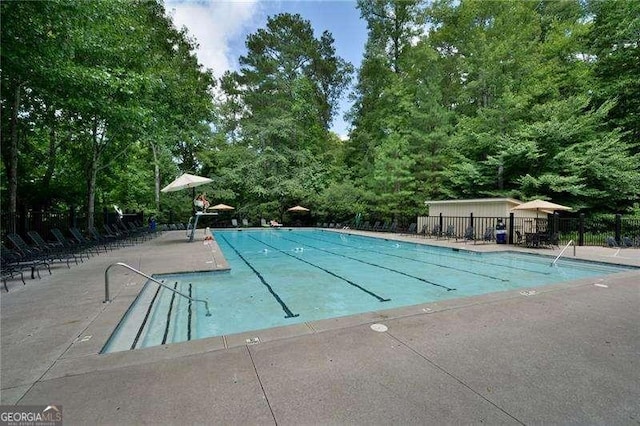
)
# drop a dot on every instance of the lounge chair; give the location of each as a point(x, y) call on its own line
point(245, 223)
point(71, 245)
point(234, 223)
point(32, 254)
point(90, 244)
point(611, 242)
point(55, 251)
point(275, 224)
point(107, 239)
point(13, 264)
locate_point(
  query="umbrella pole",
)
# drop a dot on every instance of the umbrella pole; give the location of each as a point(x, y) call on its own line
point(193, 197)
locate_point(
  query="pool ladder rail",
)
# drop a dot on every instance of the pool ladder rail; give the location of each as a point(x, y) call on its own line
point(124, 265)
point(563, 250)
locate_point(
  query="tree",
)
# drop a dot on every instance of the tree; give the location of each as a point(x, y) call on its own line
point(613, 39)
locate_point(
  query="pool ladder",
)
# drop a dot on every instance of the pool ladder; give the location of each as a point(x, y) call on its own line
point(106, 285)
point(565, 247)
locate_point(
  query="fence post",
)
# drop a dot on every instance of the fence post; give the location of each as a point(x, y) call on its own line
point(581, 230)
point(511, 225)
point(618, 228)
point(440, 225)
point(471, 219)
point(555, 225)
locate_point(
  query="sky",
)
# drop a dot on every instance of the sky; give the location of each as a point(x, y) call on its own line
point(221, 28)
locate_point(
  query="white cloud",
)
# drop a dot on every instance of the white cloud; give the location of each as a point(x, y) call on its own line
point(215, 25)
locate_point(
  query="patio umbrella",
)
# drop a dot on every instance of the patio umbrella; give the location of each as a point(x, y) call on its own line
point(186, 181)
point(298, 209)
point(221, 207)
point(538, 205)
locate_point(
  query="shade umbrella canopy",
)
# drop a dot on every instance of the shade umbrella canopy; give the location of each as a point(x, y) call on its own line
point(221, 207)
point(298, 209)
point(540, 205)
point(186, 181)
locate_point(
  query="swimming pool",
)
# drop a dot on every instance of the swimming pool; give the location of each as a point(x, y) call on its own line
point(282, 277)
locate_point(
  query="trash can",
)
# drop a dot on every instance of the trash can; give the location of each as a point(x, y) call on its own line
point(501, 232)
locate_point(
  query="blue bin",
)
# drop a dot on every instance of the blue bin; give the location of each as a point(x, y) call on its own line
point(501, 232)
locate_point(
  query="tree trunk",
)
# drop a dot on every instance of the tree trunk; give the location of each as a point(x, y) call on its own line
point(156, 169)
point(93, 173)
point(51, 160)
point(13, 158)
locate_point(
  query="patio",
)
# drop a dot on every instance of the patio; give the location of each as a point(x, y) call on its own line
point(565, 353)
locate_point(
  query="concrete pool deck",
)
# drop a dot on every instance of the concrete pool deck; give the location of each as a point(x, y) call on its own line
point(567, 353)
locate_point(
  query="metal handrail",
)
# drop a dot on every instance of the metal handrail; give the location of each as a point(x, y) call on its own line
point(106, 285)
point(565, 247)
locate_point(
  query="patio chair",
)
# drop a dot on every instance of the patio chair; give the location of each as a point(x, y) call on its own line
point(611, 242)
point(450, 232)
point(245, 223)
point(626, 242)
point(234, 223)
point(469, 234)
point(489, 234)
point(411, 230)
point(435, 231)
point(519, 238)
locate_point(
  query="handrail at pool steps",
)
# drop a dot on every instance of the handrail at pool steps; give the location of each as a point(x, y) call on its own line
point(565, 247)
point(106, 285)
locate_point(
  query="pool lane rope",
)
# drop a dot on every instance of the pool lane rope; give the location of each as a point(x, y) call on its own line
point(381, 299)
point(429, 263)
point(373, 264)
point(284, 306)
point(422, 246)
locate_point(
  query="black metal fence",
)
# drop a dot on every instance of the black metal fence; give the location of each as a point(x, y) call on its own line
point(582, 230)
point(44, 221)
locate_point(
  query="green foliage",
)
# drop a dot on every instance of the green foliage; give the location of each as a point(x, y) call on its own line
point(104, 100)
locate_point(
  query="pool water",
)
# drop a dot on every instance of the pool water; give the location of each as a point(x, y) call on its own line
point(282, 277)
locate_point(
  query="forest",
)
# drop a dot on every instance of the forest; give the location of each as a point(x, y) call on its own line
point(104, 102)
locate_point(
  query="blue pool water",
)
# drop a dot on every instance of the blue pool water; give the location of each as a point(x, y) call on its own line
point(282, 277)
